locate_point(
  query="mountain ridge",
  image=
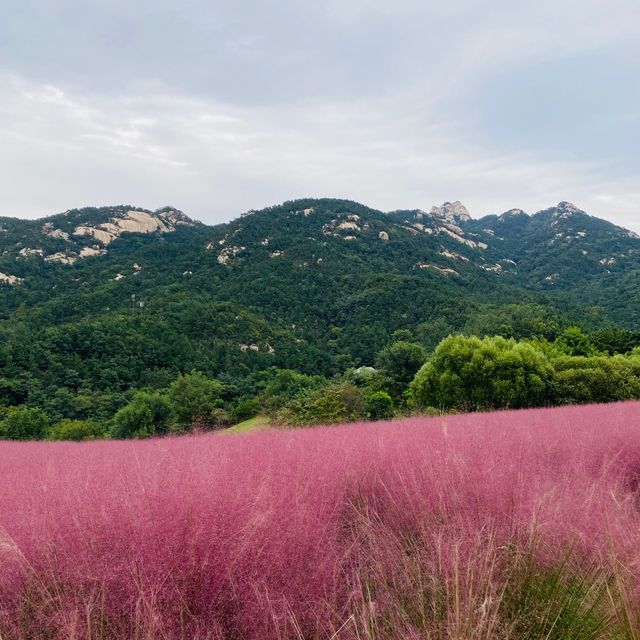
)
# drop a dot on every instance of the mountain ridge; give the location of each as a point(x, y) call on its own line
point(314, 285)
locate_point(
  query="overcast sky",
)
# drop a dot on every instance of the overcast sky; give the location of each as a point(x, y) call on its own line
point(218, 107)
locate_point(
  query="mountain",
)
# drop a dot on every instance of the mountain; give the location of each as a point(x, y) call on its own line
point(99, 300)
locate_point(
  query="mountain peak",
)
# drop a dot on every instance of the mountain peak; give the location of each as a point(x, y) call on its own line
point(510, 213)
point(451, 211)
point(568, 208)
point(173, 216)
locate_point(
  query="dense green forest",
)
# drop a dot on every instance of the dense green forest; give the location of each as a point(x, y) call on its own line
point(112, 310)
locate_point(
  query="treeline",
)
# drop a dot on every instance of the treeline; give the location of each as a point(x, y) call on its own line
point(467, 373)
point(463, 373)
point(473, 374)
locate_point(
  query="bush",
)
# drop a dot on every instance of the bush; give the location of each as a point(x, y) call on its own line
point(22, 423)
point(285, 385)
point(76, 430)
point(379, 406)
point(336, 402)
point(133, 421)
point(245, 409)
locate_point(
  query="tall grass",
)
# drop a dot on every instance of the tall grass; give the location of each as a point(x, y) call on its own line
point(489, 526)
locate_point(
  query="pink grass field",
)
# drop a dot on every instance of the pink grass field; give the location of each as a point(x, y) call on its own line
point(378, 530)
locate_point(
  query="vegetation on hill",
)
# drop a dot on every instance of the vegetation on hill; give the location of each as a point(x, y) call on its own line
point(315, 287)
point(463, 373)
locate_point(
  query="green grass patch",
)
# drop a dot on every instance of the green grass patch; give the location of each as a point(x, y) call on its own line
point(257, 423)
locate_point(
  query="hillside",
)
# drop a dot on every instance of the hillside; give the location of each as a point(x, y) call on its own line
point(99, 300)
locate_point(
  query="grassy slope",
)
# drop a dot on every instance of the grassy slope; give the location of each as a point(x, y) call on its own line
point(257, 423)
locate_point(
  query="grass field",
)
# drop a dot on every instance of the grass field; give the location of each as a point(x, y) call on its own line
point(258, 423)
point(497, 526)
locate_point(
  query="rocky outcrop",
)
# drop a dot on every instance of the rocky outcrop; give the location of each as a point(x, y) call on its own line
point(89, 252)
point(26, 252)
point(49, 230)
point(452, 212)
point(62, 257)
point(344, 222)
point(133, 221)
point(8, 279)
point(227, 254)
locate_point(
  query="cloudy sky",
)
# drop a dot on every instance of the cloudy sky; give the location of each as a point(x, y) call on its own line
point(218, 107)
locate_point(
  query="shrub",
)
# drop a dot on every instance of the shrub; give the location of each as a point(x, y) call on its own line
point(600, 379)
point(76, 430)
point(336, 402)
point(245, 409)
point(133, 421)
point(400, 361)
point(285, 385)
point(379, 406)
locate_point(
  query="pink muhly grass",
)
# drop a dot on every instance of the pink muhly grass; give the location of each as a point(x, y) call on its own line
point(408, 529)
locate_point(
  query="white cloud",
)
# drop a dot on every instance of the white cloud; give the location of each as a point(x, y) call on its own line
point(221, 107)
point(215, 160)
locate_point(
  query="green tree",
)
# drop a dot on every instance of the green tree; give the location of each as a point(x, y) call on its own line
point(379, 406)
point(23, 423)
point(285, 385)
point(133, 421)
point(575, 342)
point(162, 414)
point(517, 321)
point(579, 379)
point(467, 373)
point(245, 409)
point(194, 397)
point(614, 340)
point(400, 361)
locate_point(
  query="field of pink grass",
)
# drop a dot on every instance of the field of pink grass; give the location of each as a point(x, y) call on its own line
point(470, 526)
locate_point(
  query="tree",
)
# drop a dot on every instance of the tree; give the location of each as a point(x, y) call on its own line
point(467, 373)
point(614, 340)
point(133, 421)
point(285, 385)
point(162, 414)
point(148, 413)
point(579, 379)
point(22, 423)
point(379, 406)
point(517, 321)
point(400, 361)
point(194, 397)
point(575, 342)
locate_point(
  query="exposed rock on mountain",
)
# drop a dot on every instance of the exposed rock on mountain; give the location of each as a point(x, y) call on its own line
point(451, 212)
point(162, 221)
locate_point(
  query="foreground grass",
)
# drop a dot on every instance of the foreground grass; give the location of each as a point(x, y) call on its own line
point(505, 526)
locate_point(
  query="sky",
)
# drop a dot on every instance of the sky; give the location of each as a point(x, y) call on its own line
point(219, 107)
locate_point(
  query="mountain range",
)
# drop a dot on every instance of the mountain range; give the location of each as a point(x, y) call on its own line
point(122, 296)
